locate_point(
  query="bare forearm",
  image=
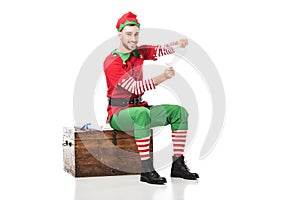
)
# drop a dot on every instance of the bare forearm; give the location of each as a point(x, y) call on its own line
point(168, 73)
point(159, 79)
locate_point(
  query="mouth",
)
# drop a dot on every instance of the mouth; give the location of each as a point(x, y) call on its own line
point(132, 45)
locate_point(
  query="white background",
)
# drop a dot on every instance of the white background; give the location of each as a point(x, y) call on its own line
point(254, 45)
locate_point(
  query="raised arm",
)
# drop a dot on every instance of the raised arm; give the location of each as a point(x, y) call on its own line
point(167, 49)
point(150, 52)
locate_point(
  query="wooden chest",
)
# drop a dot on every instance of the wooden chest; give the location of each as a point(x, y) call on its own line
point(100, 153)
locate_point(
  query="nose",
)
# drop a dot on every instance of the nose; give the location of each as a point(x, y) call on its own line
point(134, 38)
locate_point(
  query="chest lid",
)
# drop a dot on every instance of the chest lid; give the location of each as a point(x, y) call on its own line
point(92, 134)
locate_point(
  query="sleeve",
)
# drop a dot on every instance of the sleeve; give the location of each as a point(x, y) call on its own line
point(117, 76)
point(136, 87)
point(152, 52)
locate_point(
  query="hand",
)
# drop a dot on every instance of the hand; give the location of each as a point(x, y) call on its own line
point(182, 43)
point(169, 72)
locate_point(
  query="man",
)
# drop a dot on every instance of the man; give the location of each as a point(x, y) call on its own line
point(126, 110)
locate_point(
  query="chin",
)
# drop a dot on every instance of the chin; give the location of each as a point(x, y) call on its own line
point(133, 48)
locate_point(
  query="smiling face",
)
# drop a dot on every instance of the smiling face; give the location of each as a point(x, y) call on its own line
point(129, 38)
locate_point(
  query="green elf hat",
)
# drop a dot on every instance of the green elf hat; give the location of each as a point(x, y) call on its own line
point(128, 18)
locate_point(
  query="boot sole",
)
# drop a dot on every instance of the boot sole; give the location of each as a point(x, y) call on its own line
point(142, 179)
point(187, 178)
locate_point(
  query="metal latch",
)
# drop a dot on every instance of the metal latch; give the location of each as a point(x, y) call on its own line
point(114, 137)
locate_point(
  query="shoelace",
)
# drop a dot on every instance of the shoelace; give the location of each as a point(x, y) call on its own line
point(156, 175)
point(185, 166)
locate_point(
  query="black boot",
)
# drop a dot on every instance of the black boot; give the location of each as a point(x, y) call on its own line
point(180, 170)
point(149, 174)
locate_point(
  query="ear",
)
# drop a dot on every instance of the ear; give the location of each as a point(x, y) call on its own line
point(120, 34)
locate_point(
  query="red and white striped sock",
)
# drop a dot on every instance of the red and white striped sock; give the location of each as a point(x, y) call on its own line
point(143, 147)
point(178, 138)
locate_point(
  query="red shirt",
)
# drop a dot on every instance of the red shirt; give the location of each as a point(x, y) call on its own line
point(116, 71)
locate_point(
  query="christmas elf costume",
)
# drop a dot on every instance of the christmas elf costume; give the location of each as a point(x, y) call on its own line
point(126, 109)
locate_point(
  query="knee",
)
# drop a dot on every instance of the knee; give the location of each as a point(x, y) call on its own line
point(181, 111)
point(180, 120)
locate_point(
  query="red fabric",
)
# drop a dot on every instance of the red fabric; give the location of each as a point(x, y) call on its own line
point(128, 16)
point(143, 140)
point(115, 71)
point(143, 148)
point(136, 87)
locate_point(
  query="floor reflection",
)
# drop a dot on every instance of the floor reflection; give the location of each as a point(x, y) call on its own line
point(179, 187)
point(115, 188)
point(129, 187)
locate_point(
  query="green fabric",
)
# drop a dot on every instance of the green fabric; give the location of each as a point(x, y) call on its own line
point(125, 56)
point(136, 53)
point(141, 119)
point(127, 23)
